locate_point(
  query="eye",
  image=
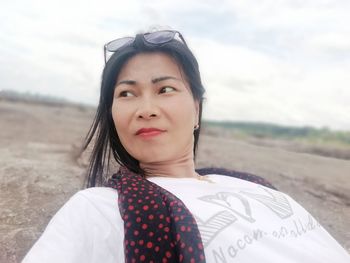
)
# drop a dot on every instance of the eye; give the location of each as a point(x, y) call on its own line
point(126, 93)
point(167, 89)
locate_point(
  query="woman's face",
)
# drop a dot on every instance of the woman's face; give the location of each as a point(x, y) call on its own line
point(153, 109)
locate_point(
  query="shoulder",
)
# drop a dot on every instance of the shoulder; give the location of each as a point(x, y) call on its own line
point(236, 174)
point(96, 194)
point(94, 202)
point(91, 197)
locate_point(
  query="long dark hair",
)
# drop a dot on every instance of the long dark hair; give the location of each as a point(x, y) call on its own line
point(102, 132)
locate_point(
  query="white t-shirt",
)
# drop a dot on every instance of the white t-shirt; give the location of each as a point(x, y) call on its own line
point(239, 221)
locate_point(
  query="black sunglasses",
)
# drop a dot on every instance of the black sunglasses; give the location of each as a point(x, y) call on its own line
point(153, 38)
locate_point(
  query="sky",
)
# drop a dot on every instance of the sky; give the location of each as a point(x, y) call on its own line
point(278, 61)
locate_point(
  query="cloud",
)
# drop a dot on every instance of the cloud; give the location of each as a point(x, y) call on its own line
point(247, 84)
point(278, 61)
point(334, 43)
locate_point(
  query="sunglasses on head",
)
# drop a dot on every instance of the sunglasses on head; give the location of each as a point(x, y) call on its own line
point(153, 38)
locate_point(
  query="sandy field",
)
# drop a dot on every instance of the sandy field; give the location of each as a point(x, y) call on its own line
point(40, 170)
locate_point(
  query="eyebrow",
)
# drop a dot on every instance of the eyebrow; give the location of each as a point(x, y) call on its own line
point(154, 81)
point(163, 78)
point(127, 82)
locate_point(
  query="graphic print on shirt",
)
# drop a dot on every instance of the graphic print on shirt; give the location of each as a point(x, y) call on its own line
point(210, 228)
point(275, 201)
point(238, 207)
point(238, 243)
point(234, 202)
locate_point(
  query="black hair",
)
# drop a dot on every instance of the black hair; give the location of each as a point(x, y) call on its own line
point(102, 132)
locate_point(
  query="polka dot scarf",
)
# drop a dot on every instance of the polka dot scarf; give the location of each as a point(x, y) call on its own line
point(157, 225)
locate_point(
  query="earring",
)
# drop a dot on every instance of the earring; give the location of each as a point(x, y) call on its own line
point(196, 127)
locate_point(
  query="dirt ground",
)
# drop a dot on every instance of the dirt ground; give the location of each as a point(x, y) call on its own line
point(39, 171)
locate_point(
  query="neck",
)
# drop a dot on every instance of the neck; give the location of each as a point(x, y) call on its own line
point(182, 167)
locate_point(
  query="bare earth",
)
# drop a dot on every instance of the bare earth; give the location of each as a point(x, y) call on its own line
point(39, 171)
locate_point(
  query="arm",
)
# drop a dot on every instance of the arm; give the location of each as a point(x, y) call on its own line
point(85, 229)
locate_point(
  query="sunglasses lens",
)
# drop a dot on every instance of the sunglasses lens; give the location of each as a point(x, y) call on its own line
point(118, 43)
point(159, 37)
point(155, 38)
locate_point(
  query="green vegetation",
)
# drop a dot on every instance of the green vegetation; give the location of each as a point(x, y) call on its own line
point(35, 98)
point(273, 131)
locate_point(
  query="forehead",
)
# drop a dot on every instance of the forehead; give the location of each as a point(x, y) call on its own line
point(150, 65)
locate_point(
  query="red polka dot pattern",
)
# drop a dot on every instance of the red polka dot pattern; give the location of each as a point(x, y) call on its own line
point(158, 227)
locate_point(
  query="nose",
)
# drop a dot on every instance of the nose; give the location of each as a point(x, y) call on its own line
point(147, 109)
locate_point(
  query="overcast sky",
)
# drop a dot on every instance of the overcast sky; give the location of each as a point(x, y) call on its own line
point(280, 61)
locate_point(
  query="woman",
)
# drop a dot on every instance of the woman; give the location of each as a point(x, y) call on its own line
point(158, 208)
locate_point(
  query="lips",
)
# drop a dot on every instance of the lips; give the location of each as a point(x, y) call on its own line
point(149, 131)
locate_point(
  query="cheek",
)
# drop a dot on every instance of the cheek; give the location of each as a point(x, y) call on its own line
point(182, 115)
point(185, 112)
point(120, 119)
